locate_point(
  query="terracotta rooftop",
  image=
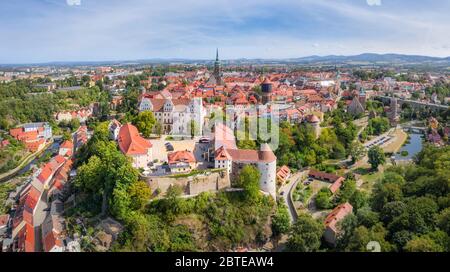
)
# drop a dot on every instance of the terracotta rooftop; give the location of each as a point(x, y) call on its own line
point(181, 156)
point(130, 142)
point(337, 215)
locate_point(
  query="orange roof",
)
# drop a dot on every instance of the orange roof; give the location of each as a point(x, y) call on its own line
point(59, 159)
point(34, 145)
point(181, 156)
point(130, 142)
point(29, 238)
point(283, 172)
point(15, 132)
point(248, 155)
point(45, 173)
point(337, 215)
point(67, 144)
point(222, 154)
point(50, 241)
point(4, 218)
point(336, 185)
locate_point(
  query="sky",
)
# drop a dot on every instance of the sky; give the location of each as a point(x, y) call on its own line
point(35, 31)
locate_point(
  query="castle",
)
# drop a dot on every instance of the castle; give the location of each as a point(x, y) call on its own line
point(229, 157)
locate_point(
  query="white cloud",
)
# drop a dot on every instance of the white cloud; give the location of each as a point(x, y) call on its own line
point(374, 2)
point(73, 2)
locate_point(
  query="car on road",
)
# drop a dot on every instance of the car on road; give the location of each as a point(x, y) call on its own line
point(46, 209)
point(169, 146)
point(282, 193)
point(204, 140)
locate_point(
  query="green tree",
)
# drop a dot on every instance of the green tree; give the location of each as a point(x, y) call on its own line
point(423, 244)
point(281, 221)
point(376, 157)
point(305, 235)
point(249, 180)
point(323, 199)
point(357, 151)
point(444, 220)
point(139, 193)
point(145, 122)
point(67, 136)
point(193, 128)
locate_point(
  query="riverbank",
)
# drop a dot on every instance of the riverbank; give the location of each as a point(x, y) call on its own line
point(399, 138)
point(11, 173)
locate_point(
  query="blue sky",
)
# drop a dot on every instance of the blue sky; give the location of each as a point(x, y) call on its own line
point(84, 30)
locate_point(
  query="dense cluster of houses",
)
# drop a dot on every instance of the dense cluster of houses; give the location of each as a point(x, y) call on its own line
point(34, 135)
point(37, 223)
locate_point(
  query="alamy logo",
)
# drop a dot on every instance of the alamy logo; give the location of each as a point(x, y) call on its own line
point(373, 246)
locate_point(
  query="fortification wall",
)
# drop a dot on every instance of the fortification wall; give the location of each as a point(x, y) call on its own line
point(192, 185)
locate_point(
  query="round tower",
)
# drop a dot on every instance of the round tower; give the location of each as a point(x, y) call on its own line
point(267, 166)
point(314, 121)
point(266, 88)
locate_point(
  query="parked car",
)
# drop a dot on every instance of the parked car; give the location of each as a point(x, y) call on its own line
point(169, 147)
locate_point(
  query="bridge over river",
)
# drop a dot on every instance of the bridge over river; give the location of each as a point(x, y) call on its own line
point(414, 103)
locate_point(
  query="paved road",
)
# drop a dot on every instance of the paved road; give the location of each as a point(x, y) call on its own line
point(285, 192)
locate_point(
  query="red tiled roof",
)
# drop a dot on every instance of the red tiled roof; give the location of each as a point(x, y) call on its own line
point(283, 172)
point(4, 218)
point(45, 173)
point(336, 185)
point(29, 238)
point(130, 142)
point(50, 241)
point(67, 144)
point(15, 132)
point(247, 155)
point(34, 145)
point(222, 154)
point(337, 215)
point(323, 175)
point(181, 156)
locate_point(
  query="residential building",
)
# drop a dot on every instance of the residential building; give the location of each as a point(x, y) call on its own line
point(135, 146)
point(181, 161)
point(332, 228)
point(335, 180)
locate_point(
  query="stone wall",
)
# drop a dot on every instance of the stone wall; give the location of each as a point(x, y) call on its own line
point(192, 185)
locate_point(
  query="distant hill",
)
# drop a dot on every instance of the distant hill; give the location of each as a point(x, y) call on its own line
point(370, 58)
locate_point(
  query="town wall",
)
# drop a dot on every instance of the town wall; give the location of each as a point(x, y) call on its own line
point(191, 185)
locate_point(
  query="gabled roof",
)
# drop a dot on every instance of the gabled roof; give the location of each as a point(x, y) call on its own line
point(181, 156)
point(67, 144)
point(338, 213)
point(130, 142)
point(222, 154)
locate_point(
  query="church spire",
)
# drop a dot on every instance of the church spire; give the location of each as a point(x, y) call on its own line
point(217, 54)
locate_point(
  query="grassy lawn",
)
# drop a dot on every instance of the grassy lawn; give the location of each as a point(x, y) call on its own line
point(369, 178)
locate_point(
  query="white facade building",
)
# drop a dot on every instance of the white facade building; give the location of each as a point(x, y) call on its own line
point(175, 115)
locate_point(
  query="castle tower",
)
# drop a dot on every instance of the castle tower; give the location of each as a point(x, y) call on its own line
point(266, 88)
point(314, 121)
point(267, 166)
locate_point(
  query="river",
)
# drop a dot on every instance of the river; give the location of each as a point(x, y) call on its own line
point(413, 147)
point(53, 149)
